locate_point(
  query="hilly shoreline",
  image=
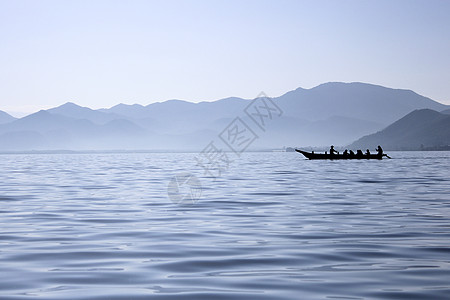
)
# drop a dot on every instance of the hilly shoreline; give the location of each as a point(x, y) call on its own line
point(331, 113)
point(422, 129)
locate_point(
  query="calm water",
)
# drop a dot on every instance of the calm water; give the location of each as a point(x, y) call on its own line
point(274, 226)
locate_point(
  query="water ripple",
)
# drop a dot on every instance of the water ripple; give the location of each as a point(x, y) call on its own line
point(274, 226)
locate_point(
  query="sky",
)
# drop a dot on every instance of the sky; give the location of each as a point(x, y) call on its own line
point(100, 53)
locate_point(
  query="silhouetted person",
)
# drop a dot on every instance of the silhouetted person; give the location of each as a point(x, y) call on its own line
point(345, 152)
point(332, 151)
point(359, 152)
point(379, 150)
point(367, 152)
point(352, 153)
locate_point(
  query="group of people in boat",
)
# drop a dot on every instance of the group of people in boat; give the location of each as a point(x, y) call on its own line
point(359, 153)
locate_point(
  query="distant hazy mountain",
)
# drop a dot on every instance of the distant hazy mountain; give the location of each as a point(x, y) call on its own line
point(447, 112)
point(420, 129)
point(332, 113)
point(180, 117)
point(43, 122)
point(72, 110)
point(45, 130)
point(5, 117)
point(354, 100)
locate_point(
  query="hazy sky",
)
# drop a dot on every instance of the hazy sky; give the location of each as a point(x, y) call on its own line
point(100, 53)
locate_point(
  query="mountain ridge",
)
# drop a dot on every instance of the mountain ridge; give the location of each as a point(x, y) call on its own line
point(420, 129)
point(336, 113)
point(72, 110)
point(5, 117)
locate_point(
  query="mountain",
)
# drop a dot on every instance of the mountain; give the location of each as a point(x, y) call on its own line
point(135, 111)
point(420, 129)
point(5, 117)
point(331, 113)
point(337, 113)
point(446, 112)
point(23, 140)
point(175, 117)
point(44, 130)
point(72, 110)
point(363, 101)
point(44, 121)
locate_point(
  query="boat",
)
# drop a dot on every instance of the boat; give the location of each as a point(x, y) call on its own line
point(312, 155)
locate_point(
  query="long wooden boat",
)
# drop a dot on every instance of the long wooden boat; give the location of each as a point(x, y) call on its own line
point(312, 155)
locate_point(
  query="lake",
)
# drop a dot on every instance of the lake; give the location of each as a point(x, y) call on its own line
point(270, 226)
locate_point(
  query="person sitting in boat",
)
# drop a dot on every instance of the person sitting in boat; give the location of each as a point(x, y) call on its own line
point(367, 152)
point(379, 150)
point(352, 153)
point(359, 152)
point(345, 153)
point(332, 151)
